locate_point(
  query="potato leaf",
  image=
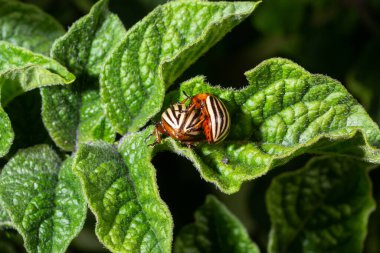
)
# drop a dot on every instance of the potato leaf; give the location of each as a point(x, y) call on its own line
point(323, 207)
point(121, 190)
point(83, 50)
point(284, 112)
point(43, 199)
point(215, 230)
point(156, 51)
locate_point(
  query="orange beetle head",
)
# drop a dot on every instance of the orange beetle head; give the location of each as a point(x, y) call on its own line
point(199, 99)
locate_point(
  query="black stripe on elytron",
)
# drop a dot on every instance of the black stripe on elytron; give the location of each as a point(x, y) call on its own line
point(193, 121)
point(177, 112)
point(226, 121)
point(225, 118)
point(220, 118)
point(211, 109)
point(187, 121)
point(221, 123)
point(171, 113)
point(169, 117)
point(182, 116)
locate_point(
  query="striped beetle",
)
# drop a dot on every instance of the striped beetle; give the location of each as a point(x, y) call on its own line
point(180, 124)
point(214, 116)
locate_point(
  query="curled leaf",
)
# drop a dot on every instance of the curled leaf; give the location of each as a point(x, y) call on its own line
point(156, 51)
point(284, 112)
point(20, 71)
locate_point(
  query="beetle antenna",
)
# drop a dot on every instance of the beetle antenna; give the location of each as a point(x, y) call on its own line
point(187, 96)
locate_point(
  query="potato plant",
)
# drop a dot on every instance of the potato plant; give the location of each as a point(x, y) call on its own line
point(103, 87)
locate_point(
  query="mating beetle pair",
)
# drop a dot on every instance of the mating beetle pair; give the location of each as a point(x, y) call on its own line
point(206, 118)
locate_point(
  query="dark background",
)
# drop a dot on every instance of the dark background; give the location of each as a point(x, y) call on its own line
point(339, 38)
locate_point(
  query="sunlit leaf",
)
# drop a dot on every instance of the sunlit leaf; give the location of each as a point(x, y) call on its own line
point(43, 199)
point(284, 112)
point(156, 51)
point(121, 190)
point(83, 49)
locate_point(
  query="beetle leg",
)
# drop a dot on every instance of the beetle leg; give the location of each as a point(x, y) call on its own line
point(158, 130)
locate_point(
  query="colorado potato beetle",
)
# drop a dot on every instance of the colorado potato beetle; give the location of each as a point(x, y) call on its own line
point(214, 116)
point(180, 124)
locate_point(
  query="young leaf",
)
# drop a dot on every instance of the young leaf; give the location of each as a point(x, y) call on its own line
point(22, 70)
point(215, 230)
point(83, 50)
point(156, 51)
point(323, 207)
point(284, 112)
point(121, 190)
point(43, 199)
point(27, 26)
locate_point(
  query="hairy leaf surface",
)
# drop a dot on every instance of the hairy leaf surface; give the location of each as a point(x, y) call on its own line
point(156, 51)
point(6, 133)
point(121, 190)
point(43, 199)
point(323, 207)
point(22, 70)
point(27, 26)
point(284, 112)
point(215, 229)
point(83, 50)
point(5, 220)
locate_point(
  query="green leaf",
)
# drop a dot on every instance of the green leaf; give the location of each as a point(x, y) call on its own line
point(284, 112)
point(93, 123)
point(121, 190)
point(6, 133)
point(215, 229)
point(323, 207)
point(43, 199)
point(83, 50)
point(5, 220)
point(27, 26)
point(22, 70)
point(156, 51)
